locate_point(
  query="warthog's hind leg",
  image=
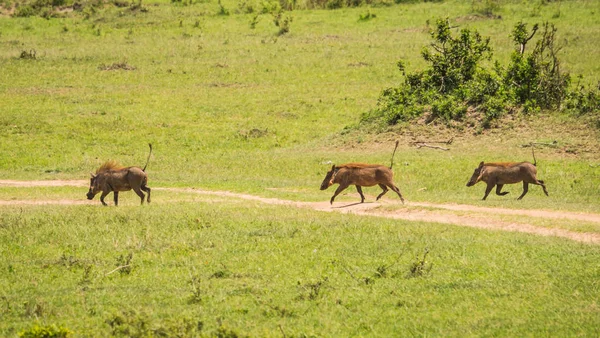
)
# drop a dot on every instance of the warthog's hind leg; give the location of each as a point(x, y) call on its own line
point(525, 190)
point(140, 193)
point(362, 197)
point(147, 189)
point(499, 190)
point(540, 182)
point(397, 191)
point(116, 197)
point(385, 189)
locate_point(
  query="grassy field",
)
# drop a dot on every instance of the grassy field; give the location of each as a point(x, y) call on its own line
point(258, 271)
point(231, 107)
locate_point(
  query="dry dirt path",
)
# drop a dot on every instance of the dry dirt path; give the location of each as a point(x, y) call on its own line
point(475, 216)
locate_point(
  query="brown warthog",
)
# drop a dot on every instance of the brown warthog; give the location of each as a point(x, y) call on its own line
point(112, 177)
point(361, 175)
point(499, 174)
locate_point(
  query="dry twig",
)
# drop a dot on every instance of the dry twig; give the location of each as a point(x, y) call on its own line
point(117, 269)
point(440, 142)
point(554, 144)
point(425, 145)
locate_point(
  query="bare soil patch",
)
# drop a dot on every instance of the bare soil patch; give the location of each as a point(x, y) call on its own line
point(49, 183)
point(47, 202)
point(476, 217)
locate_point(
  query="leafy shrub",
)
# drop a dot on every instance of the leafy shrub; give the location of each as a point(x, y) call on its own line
point(536, 78)
point(446, 88)
point(583, 101)
point(453, 59)
point(454, 83)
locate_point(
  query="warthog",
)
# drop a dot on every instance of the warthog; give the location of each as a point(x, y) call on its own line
point(111, 177)
point(499, 174)
point(361, 175)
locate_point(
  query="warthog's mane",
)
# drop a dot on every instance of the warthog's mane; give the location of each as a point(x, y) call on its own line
point(357, 165)
point(502, 164)
point(109, 165)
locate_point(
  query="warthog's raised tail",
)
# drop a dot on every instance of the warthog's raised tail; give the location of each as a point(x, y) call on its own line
point(148, 160)
point(394, 153)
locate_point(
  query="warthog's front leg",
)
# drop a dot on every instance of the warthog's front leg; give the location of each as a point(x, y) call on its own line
point(525, 189)
point(362, 197)
point(499, 190)
point(337, 192)
point(104, 193)
point(116, 196)
point(488, 189)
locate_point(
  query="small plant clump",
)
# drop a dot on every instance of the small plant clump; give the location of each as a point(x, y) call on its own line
point(222, 10)
point(311, 291)
point(28, 55)
point(116, 66)
point(282, 22)
point(486, 8)
point(420, 266)
point(130, 323)
point(367, 16)
point(457, 90)
point(50, 331)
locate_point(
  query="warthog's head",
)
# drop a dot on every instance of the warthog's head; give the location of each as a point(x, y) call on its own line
point(328, 180)
point(476, 177)
point(94, 187)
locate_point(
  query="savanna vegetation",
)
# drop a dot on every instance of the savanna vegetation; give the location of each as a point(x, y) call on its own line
point(455, 88)
point(262, 97)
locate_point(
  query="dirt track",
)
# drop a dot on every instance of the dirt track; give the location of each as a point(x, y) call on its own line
point(476, 216)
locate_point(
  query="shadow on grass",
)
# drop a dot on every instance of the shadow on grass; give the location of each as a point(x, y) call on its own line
point(351, 205)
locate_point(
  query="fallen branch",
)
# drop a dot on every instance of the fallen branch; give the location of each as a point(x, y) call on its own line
point(553, 144)
point(421, 145)
point(117, 269)
point(350, 273)
point(440, 142)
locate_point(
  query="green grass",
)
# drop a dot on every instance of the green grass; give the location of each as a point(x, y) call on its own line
point(228, 107)
point(256, 268)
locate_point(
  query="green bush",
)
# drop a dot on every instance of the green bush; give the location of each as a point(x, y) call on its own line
point(536, 78)
point(583, 101)
point(454, 83)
